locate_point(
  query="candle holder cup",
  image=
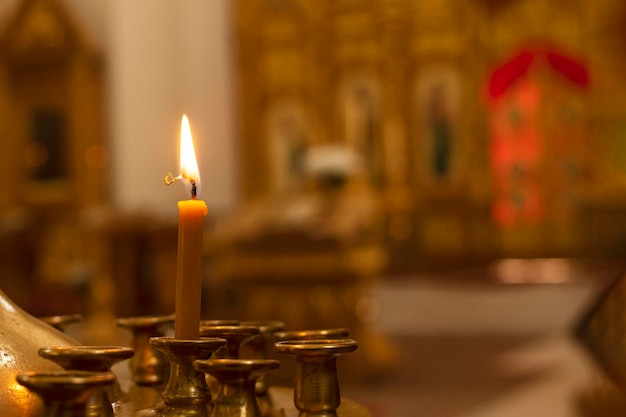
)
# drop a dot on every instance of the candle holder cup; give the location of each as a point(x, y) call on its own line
point(237, 379)
point(258, 348)
point(61, 322)
point(186, 392)
point(219, 322)
point(313, 334)
point(285, 374)
point(235, 335)
point(316, 383)
point(65, 393)
point(148, 366)
point(93, 359)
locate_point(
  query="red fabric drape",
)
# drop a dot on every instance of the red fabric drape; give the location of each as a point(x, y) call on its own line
point(572, 69)
point(511, 70)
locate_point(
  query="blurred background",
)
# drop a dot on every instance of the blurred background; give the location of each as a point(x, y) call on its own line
point(447, 179)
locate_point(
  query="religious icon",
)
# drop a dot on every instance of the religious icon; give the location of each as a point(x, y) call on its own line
point(440, 126)
point(438, 90)
point(361, 123)
point(288, 135)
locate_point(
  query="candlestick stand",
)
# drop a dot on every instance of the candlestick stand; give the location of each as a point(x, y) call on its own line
point(148, 366)
point(314, 334)
point(284, 375)
point(94, 359)
point(62, 321)
point(258, 348)
point(186, 392)
point(65, 393)
point(22, 337)
point(316, 383)
point(237, 379)
point(234, 335)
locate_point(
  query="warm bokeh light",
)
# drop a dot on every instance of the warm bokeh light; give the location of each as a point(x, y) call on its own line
point(188, 161)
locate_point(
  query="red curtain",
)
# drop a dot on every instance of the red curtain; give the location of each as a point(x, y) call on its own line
point(511, 70)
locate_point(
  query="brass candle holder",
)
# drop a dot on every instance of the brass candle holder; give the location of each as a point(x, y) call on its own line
point(93, 359)
point(236, 336)
point(61, 322)
point(65, 393)
point(219, 322)
point(258, 348)
point(186, 393)
point(284, 375)
point(237, 379)
point(316, 384)
point(148, 366)
point(22, 336)
point(312, 334)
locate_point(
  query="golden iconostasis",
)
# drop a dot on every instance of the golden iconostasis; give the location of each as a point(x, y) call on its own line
point(463, 173)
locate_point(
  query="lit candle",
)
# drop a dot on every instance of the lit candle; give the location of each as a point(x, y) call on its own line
point(190, 227)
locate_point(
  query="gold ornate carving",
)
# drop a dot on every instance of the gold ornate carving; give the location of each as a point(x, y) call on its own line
point(283, 67)
point(280, 31)
point(355, 25)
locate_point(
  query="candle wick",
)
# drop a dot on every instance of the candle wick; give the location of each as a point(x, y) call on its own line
point(193, 189)
point(169, 179)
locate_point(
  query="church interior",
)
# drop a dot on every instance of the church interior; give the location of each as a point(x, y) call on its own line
point(445, 179)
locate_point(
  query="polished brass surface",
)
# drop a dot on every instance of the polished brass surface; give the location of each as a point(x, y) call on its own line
point(285, 374)
point(95, 359)
point(87, 358)
point(237, 379)
point(219, 322)
point(61, 322)
point(283, 404)
point(147, 366)
point(265, 326)
point(186, 394)
point(316, 382)
point(235, 335)
point(338, 333)
point(22, 336)
point(257, 348)
point(186, 387)
point(65, 393)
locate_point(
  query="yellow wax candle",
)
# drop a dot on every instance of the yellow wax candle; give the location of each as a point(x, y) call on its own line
point(189, 268)
point(190, 228)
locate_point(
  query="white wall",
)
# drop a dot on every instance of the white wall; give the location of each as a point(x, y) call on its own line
point(166, 58)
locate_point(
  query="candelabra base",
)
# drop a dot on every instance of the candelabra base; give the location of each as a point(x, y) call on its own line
point(22, 336)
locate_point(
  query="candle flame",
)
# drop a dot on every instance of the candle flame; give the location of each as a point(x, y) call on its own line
point(188, 162)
